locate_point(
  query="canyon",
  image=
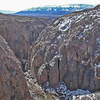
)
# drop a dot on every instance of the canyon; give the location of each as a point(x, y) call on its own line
point(58, 59)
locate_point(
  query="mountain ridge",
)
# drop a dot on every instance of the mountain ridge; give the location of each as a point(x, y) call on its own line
point(53, 10)
point(7, 12)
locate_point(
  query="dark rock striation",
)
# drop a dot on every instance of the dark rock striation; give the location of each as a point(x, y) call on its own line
point(12, 82)
point(69, 50)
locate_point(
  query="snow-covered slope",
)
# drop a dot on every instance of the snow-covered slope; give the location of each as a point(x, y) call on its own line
point(54, 10)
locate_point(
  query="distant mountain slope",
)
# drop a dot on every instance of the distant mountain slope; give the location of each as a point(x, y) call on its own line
point(54, 11)
point(7, 12)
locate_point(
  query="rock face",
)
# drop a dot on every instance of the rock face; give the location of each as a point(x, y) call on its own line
point(95, 96)
point(69, 50)
point(12, 82)
point(20, 32)
point(37, 93)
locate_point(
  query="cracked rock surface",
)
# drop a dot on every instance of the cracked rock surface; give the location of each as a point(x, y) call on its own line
point(12, 82)
point(69, 50)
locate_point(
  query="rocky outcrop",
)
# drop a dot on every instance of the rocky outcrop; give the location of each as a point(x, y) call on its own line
point(12, 82)
point(36, 91)
point(93, 96)
point(20, 32)
point(69, 50)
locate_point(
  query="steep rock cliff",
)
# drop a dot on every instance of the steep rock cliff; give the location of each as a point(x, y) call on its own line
point(12, 82)
point(69, 50)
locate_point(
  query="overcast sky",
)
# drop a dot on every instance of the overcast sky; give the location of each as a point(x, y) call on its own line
point(17, 5)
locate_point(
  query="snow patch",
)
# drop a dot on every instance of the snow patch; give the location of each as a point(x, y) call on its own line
point(51, 90)
point(79, 36)
point(63, 92)
point(85, 97)
point(65, 25)
point(52, 62)
point(98, 41)
point(79, 17)
point(98, 20)
point(42, 67)
point(97, 65)
point(86, 28)
point(61, 88)
point(60, 36)
point(53, 45)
